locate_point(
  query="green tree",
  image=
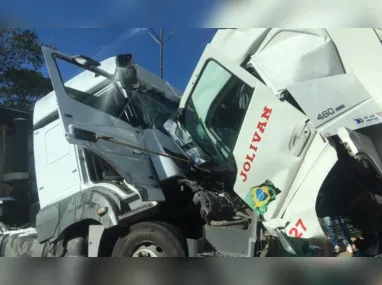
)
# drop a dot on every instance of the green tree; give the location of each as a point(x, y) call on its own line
point(21, 83)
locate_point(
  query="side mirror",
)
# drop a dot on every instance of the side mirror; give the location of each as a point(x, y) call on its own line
point(124, 60)
point(126, 71)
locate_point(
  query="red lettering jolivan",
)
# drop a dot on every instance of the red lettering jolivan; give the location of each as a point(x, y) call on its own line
point(251, 155)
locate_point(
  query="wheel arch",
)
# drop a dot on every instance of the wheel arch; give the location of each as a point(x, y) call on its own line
point(89, 205)
point(347, 192)
point(302, 204)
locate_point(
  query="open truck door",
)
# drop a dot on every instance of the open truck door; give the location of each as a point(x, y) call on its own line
point(243, 126)
point(76, 102)
point(93, 109)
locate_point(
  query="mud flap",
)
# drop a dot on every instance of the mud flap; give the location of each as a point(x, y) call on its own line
point(95, 236)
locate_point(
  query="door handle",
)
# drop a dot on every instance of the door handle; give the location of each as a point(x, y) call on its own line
point(300, 139)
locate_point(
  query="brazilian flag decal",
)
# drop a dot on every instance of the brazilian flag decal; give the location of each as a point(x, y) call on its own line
point(260, 196)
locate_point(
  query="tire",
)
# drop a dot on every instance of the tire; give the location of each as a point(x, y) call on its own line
point(151, 239)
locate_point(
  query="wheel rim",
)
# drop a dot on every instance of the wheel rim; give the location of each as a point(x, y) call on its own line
point(149, 250)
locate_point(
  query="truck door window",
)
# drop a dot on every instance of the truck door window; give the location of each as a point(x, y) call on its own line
point(93, 90)
point(216, 110)
point(147, 107)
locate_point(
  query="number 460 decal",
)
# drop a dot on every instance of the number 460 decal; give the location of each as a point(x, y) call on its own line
point(325, 114)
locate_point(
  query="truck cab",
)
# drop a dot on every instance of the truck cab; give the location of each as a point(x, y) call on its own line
point(294, 115)
point(90, 139)
point(88, 104)
point(112, 180)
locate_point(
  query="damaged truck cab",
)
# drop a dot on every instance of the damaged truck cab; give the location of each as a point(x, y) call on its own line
point(294, 115)
point(112, 179)
point(276, 129)
point(93, 173)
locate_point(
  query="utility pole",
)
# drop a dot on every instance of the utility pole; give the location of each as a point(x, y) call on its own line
point(159, 40)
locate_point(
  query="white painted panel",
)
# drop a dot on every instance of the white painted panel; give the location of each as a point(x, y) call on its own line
point(57, 173)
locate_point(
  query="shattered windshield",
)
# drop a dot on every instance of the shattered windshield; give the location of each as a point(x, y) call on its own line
point(197, 131)
point(153, 108)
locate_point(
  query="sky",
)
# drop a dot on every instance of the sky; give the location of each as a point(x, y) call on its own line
point(186, 13)
point(181, 52)
point(111, 13)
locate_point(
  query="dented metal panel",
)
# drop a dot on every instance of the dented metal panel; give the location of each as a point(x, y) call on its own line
point(290, 56)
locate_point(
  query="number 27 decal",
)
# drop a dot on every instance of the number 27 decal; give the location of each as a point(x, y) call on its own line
point(298, 230)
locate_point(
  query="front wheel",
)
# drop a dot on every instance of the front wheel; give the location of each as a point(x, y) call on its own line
point(151, 239)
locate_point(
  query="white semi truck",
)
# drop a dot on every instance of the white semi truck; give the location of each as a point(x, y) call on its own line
point(276, 129)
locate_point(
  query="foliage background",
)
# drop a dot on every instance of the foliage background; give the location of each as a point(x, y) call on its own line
point(21, 82)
